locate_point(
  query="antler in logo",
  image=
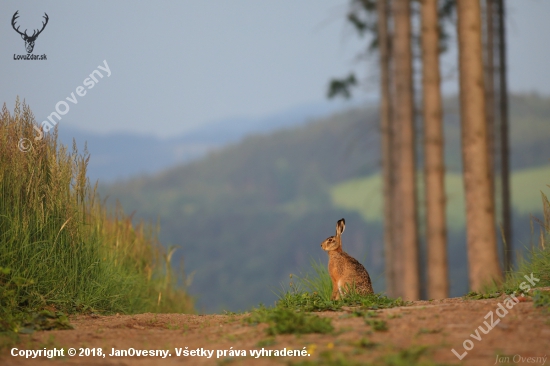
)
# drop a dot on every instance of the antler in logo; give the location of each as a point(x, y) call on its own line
point(29, 40)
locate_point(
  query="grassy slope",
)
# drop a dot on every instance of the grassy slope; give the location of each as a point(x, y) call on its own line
point(364, 195)
point(60, 248)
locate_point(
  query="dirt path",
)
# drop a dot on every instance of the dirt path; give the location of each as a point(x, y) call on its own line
point(428, 328)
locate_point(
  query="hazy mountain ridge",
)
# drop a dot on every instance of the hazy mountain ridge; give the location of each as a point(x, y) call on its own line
point(124, 155)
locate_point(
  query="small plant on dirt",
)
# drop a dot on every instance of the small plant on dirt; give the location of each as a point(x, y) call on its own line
point(45, 320)
point(153, 320)
point(285, 321)
point(230, 313)
point(372, 301)
point(371, 314)
point(329, 358)
point(266, 342)
point(541, 299)
point(171, 326)
point(428, 331)
point(377, 325)
point(472, 295)
point(407, 357)
point(365, 343)
point(226, 361)
point(305, 301)
point(358, 313)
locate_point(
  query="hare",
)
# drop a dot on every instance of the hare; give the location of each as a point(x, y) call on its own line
point(345, 271)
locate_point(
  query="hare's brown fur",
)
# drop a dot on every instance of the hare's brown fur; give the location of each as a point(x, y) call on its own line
point(345, 271)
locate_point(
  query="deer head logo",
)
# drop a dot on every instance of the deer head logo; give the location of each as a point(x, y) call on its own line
point(29, 40)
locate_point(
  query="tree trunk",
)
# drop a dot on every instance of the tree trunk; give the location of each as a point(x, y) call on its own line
point(386, 131)
point(404, 119)
point(504, 140)
point(480, 214)
point(490, 86)
point(438, 283)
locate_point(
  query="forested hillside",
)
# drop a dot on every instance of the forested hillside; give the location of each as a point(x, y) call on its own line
point(250, 214)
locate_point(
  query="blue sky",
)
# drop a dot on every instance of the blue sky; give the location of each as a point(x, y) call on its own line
point(179, 64)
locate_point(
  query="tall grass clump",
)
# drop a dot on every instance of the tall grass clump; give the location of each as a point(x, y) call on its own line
point(537, 259)
point(312, 292)
point(317, 280)
point(534, 260)
point(61, 249)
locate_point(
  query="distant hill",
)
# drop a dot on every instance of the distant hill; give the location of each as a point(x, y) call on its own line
point(123, 155)
point(248, 215)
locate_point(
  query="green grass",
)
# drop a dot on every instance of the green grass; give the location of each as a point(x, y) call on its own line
point(537, 260)
point(329, 358)
point(377, 324)
point(305, 301)
point(428, 331)
point(365, 343)
point(412, 356)
point(541, 299)
point(61, 250)
point(472, 295)
point(316, 281)
point(270, 341)
point(311, 293)
point(364, 195)
point(408, 357)
point(286, 321)
point(535, 263)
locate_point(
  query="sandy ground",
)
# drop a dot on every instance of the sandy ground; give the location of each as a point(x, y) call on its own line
point(522, 335)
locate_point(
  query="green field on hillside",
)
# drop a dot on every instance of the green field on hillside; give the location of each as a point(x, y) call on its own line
point(364, 195)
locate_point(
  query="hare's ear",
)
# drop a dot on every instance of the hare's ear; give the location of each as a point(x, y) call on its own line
point(340, 226)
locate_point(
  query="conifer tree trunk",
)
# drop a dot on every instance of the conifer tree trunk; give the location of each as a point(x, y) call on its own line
point(404, 120)
point(490, 86)
point(434, 166)
point(504, 139)
point(387, 138)
point(480, 214)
